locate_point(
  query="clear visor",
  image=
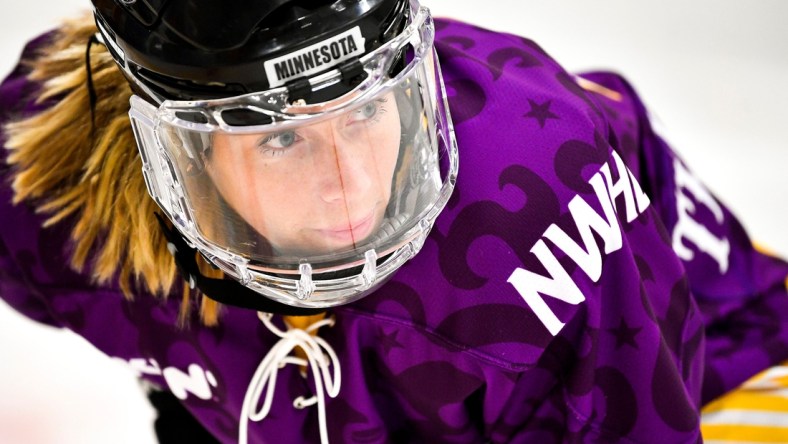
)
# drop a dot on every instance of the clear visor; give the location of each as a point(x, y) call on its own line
point(333, 185)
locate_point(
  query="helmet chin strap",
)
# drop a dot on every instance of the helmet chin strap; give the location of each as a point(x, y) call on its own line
point(225, 291)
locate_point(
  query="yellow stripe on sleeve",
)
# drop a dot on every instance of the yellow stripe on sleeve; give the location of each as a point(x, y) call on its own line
point(748, 400)
point(756, 412)
point(744, 433)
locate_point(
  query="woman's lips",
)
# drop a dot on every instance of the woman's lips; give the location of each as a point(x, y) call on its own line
point(353, 232)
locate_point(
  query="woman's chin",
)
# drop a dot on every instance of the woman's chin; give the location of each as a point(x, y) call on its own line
point(329, 241)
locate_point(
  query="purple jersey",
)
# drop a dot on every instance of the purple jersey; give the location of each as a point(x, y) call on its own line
point(581, 284)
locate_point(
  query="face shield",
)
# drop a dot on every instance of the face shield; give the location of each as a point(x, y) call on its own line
point(310, 204)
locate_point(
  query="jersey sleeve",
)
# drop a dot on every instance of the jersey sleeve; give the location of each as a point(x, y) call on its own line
point(715, 307)
point(740, 290)
point(17, 288)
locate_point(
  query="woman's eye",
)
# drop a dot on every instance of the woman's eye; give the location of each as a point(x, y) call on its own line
point(279, 140)
point(369, 112)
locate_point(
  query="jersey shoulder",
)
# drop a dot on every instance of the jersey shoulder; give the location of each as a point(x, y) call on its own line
point(534, 141)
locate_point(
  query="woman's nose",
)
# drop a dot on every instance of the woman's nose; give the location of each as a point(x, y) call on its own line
point(348, 171)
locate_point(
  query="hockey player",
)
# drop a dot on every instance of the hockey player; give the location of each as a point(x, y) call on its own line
point(292, 167)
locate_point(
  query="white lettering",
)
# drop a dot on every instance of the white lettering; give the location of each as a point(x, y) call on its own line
point(559, 285)
point(196, 382)
point(690, 229)
point(587, 219)
point(621, 187)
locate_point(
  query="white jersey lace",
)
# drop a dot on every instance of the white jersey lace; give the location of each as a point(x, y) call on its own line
point(319, 358)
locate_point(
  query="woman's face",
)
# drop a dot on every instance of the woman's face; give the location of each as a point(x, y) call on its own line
point(315, 189)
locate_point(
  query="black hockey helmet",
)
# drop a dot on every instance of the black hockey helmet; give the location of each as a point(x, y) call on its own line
point(303, 147)
point(189, 50)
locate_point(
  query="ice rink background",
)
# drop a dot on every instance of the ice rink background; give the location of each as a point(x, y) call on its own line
point(713, 72)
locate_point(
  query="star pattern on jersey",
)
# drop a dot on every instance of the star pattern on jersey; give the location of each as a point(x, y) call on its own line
point(389, 341)
point(625, 335)
point(540, 112)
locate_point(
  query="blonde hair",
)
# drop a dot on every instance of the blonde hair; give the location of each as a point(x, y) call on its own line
point(91, 175)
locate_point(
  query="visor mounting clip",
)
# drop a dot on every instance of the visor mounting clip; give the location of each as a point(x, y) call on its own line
point(298, 90)
point(352, 72)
